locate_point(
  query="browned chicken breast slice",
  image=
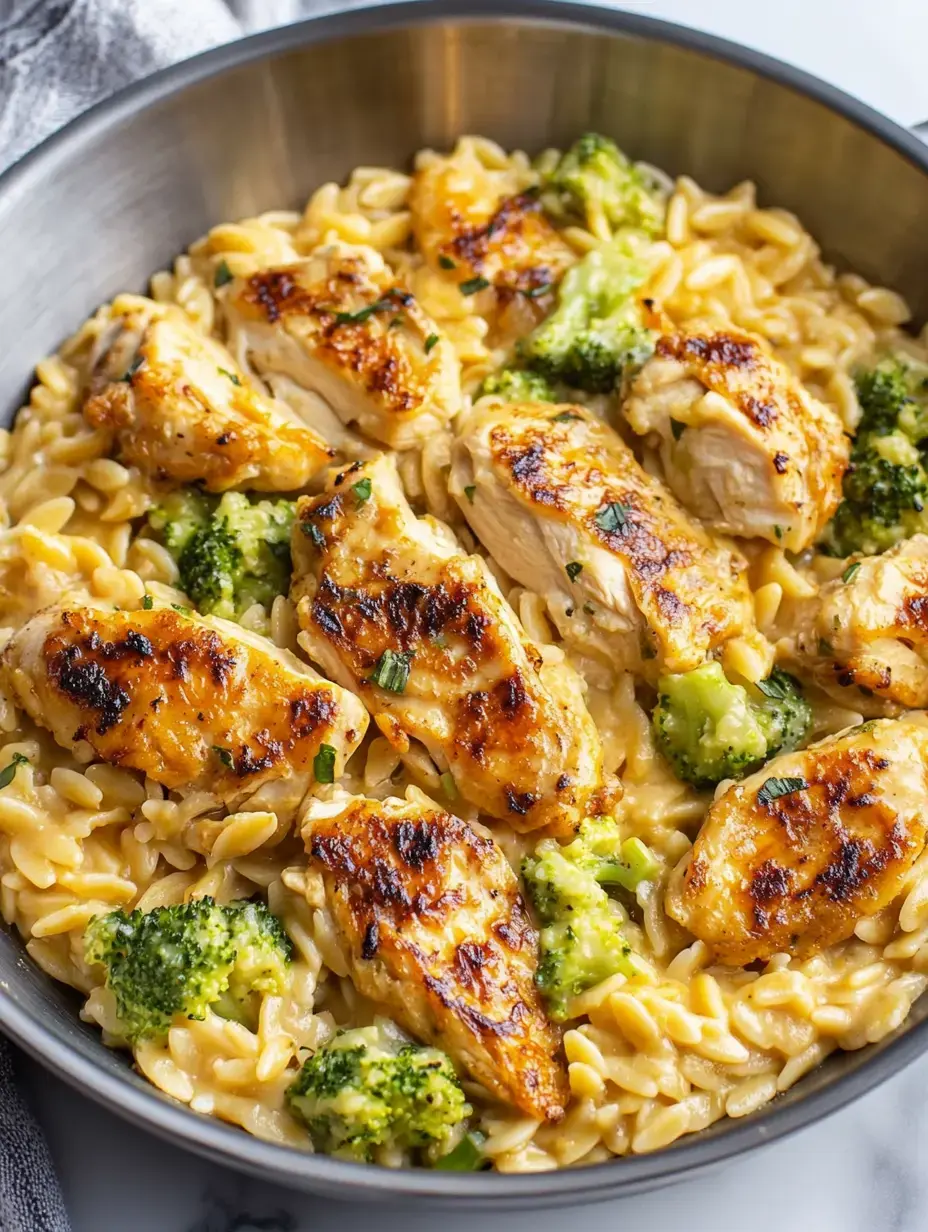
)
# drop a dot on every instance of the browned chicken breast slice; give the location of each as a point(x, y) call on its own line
point(792, 858)
point(181, 409)
point(434, 929)
point(743, 445)
point(340, 325)
point(470, 226)
point(561, 503)
point(864, 637)
point(192, 703)
point(392, 608)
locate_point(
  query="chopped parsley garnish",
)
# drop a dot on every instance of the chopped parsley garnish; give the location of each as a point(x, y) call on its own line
point(773, 789)
point(133, 368)
point(446, 262)
point(324, 764)
point(225, 756)
point(774, 687)
point(778, 531)
point(397, 322)
point(8, 773)
point(392, 670)
point(223, 274)
point(431, 340)
point(534, 292)
point(470, 492)
point(312, 531)
point(179, 607)
point(612, 517)
point(147, 602)
point(677, 428)
point(379, 305)
point(564, 417)
point(850, 571)
point(362, 490)
point(231, 375)
point(473, 285)
point(574, 569)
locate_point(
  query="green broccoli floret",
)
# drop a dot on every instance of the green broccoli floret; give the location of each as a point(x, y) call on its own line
point(369, 1087)
point(594, 180)
point(886, 485)
point(231, 553)
point(517, 385)
point(596, 331)
point(710, 729)
point(177, 962)
point(582, 940)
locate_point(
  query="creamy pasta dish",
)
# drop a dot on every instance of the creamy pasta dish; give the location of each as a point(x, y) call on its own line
point(464, 660)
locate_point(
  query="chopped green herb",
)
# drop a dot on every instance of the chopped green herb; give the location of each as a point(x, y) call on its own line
point(231, 375)
point(179, 607)
point(773, 789)
point(564, 417)
point(8, 773)
point(356, 318)
point(225, 756)
point(775, 687)
point(312, 531)
point(223, 274)
point(473, 285)
point(324, 764)
point(677, 428)
point(448, 787)
point(589, 609)
point(362, 490)
point(396, 322)
point(612, 517)
point(470, 492)
point(133, 368)
point(850, 571)
point(574, 569)
point(467, 1156)
point(534, 292)
point(778, 531)
point(392, 670)
point(431, 340)
point(147, 602)
point(446, 262)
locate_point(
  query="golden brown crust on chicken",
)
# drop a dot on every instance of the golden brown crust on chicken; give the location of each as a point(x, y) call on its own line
point(341, 324)
point(796, 872)
point(561, 502)
point(744, 446)
point(864, 637)
point(372, 580)
point(190, 703)
point(434, 928)
point(183, 411)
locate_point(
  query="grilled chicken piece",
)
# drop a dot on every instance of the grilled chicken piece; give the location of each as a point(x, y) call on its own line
point(743, 445)
point(181, 409)
point(192, 703)
point(338, 324)
point(434, 928)
point(561, 503)
point(789, 860)
point(470, 225)
point(393, 609)
point(864, 637)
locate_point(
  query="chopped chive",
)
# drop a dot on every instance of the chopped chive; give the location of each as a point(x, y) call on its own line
point(223, 274)
point(379, 305)
point(147, 602)
point(677, 428)
point(312, 531)
point(362, 490)
point(179, 607)
point(574, 569)
point(564, 417)
point(231, 375)
point(392, 670)
point(778, 531)
point(133, 368)
point(396, 322)
point(470, 492)
point(324, 764)
point(473, 285)
point(612, 517)
point(534, 292)
point(8, 773)
point(850, 571)
point(448, 787)
point(225, 756)
point(431, 340)
point(773, 789)
point(446, 262)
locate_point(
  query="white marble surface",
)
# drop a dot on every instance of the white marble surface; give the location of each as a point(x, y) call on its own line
point(861, 1170)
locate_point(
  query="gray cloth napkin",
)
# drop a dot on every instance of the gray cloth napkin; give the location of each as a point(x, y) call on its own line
point(58, 57)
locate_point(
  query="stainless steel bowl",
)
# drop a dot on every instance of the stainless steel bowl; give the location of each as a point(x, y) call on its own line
point(259, 124)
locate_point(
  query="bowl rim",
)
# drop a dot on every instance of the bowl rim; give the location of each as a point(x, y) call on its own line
point(230, 1145)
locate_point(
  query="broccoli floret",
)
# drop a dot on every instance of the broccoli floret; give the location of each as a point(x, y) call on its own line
point(231, 553)
point(582, 939)
point(517, 385)
point(886, 485)
point(369, 1087)
point(177, 962)
point(596, 331)
point(710, 729)
point(594, 180)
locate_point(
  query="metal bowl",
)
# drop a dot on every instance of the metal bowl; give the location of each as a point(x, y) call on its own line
point(258, 125)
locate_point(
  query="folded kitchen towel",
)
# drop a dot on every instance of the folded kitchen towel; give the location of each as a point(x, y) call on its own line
point(30, 1199)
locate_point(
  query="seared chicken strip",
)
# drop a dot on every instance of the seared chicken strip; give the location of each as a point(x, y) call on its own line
point(743, 445)
point(864, 637)
point(393, 609)
point(434, 929)
point(561, 503)
point(792, 858)
point(469, 227)
point(192, 703)
point(181, 409)
point(338, 324)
